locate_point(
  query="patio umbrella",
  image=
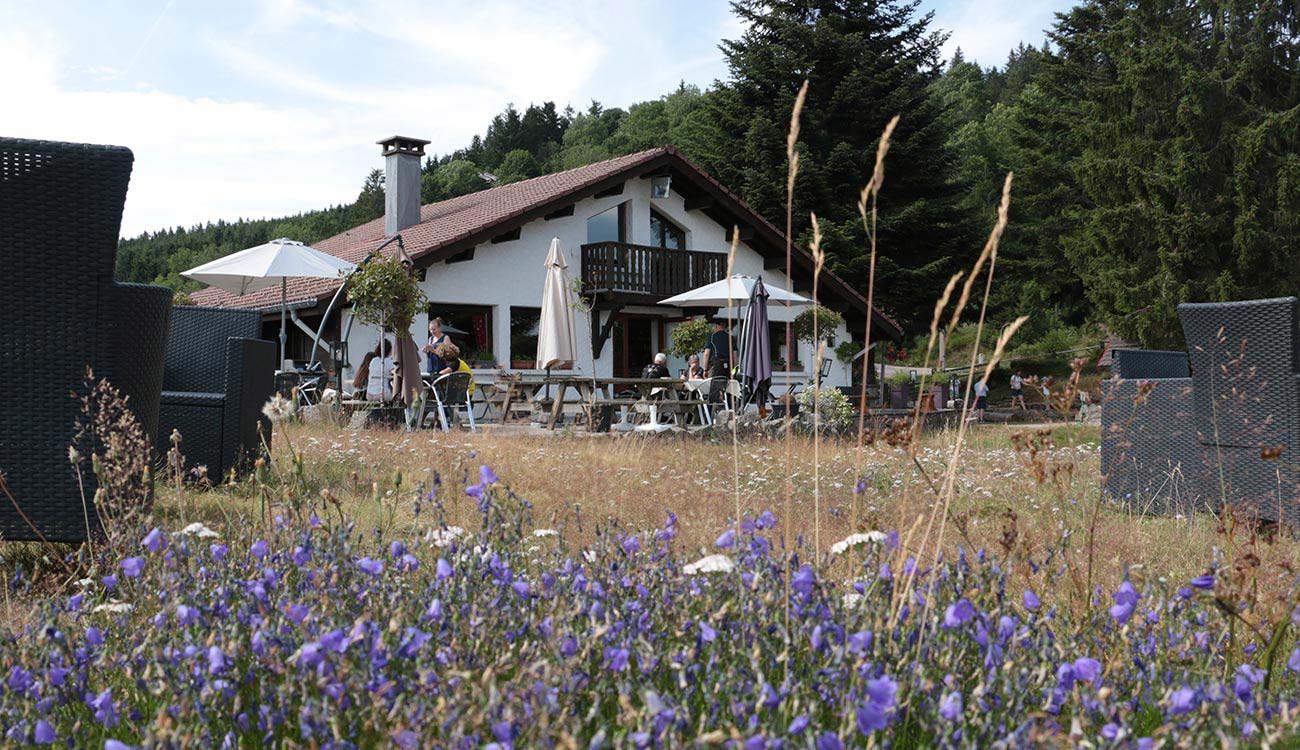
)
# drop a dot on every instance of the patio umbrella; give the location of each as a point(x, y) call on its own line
point(409, 384)
point(556, 343)
point(755, 362)
point(260, 267)
point(733, 292)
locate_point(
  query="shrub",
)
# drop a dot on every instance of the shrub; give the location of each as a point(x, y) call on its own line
point(833, 407)
point(383, 293)
point(825, 320)
point(690, 337)
point(847, 350)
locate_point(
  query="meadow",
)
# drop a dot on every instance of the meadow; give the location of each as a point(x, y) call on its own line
point(386, 589)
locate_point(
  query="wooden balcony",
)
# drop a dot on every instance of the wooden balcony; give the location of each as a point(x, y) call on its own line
point(620, 272)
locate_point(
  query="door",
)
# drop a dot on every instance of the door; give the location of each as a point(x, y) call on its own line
point(633, 344)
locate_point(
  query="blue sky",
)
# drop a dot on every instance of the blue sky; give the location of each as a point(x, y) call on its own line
point(265, 107)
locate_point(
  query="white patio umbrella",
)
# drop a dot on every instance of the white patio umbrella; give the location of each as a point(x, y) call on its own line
point(260, 267)
point(556, 343)
point(734, 292)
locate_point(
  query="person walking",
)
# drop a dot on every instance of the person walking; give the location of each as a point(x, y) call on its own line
point(1018, 391)
point(981, 399)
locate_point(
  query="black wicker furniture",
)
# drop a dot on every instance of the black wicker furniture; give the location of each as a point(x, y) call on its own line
point(1225, 433)
point(1246, 372)
point(218, 375)
point(60, 216)
point(1151, 455)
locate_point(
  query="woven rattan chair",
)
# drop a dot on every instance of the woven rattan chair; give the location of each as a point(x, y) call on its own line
point(60, 216)
point(1152, 459)
point(218, 376)
point(1246, 371)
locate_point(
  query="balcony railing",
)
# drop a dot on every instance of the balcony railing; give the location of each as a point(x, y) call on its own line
point(630, 271)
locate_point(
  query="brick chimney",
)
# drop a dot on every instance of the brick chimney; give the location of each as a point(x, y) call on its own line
point(401, 182)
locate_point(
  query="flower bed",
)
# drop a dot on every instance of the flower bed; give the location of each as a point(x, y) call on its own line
point(316, 634)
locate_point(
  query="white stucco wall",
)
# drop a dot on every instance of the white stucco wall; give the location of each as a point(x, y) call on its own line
point(512, 273)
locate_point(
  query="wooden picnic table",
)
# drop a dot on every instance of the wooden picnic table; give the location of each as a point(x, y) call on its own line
point(600, 391)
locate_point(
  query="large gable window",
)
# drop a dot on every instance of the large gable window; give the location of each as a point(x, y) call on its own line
point(609, 225)
point(664, 233)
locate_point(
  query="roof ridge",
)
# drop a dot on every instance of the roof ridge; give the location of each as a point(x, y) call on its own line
point(665, 149)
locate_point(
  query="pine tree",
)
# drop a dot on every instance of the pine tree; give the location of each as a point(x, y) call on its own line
point(865, 60)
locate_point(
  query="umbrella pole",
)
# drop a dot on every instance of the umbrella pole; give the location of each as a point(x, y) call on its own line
point(284, 304)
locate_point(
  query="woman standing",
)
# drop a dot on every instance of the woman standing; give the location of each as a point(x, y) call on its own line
point(434, 362)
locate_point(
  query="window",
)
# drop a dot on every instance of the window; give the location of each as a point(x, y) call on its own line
point(776, 339)
point(609, 225)
point(469, 327)
point(523, 333)
point(664, 233)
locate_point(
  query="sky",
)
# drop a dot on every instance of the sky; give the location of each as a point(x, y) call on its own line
point(255, 108)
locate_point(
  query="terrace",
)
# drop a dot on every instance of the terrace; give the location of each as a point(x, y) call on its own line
point(623, 272)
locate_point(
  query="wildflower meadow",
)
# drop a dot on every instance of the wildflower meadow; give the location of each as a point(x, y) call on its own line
point(314, 631)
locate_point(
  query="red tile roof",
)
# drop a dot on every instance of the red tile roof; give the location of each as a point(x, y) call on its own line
point(457, 220)
point(441, 224)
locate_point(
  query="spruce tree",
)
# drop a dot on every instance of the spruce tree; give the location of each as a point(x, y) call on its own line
point(866, 61)
point(1186, 171)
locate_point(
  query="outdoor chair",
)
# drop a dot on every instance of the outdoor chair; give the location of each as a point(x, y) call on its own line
point(1246, 374)
point(1151, 457)
point(450, 393)
point(724, 395)
point(60, 218)
point(219, 374)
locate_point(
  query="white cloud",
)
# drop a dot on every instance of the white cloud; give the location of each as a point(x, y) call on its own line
point(195, 157)
point(307, 86)
point(200, 158)
point(526, 52)
point(987, 30)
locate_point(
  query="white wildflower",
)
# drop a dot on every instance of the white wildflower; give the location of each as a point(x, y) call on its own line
point(545, 532)
point(199, 530)
point(852, 599)
point(853, 540)
point(710, 564)
point(84, 582)
point(443, 537)
point(279, 408)
point(113, 607)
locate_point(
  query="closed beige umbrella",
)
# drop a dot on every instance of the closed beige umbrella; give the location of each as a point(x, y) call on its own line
point(556, 343)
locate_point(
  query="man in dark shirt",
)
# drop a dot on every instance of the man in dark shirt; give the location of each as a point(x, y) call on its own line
point(659, 369)
point(717, 353)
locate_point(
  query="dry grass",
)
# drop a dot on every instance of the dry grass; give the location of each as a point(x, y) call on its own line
point(1032, 499)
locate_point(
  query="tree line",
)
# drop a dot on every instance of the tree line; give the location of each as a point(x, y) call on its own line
point(1154, 145)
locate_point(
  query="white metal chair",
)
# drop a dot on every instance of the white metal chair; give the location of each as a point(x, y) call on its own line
point(449, 392)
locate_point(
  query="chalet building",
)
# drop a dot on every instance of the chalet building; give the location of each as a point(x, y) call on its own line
point(636, 229)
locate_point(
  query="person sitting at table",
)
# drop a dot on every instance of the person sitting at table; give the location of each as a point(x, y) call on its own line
point(657, 369)
point(379, 375)
point(363, 370)
point(449, 354)
point(693, 369)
